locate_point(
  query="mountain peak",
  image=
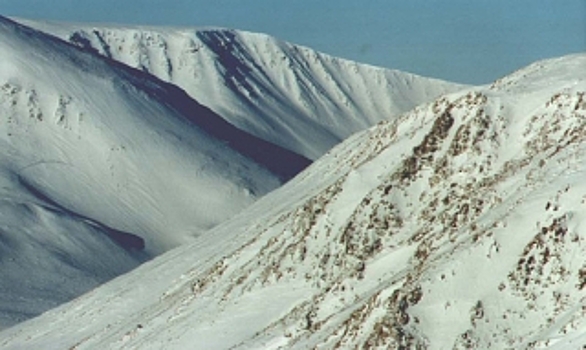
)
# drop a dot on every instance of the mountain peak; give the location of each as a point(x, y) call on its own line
point(543, 74)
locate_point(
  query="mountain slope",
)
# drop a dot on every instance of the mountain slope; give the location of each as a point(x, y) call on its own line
point(459, 225)
point(289, 95)
point(103, 166)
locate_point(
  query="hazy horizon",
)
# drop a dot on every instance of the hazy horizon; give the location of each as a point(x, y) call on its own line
point(461, 41)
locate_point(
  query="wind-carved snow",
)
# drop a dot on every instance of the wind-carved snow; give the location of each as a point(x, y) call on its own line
point(104, 167)
point(290, 95)
point(458, 225)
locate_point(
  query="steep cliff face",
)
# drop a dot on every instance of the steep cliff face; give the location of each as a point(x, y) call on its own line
point(458, 225)
point(289, 95)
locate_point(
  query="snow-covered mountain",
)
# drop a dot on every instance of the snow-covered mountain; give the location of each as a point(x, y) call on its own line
point(289, 95)
point(103, 166)
point(460, 224)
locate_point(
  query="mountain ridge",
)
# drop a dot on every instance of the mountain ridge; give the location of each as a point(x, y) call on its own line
point(465, 210)
point(102, 160)
point(287, 94)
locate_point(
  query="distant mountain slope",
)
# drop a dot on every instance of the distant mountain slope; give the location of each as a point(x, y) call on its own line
point(289, 95)
point(103, 166)
point(459, 225)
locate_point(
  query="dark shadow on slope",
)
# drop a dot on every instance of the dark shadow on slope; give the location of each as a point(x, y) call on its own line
point(130, 242)
point(283, 163)
point(280, 161)
point(228, 52)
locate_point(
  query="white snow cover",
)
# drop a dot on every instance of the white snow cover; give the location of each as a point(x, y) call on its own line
point(459, 225)
point(102, 160)
point(103, 167)
point(290, 95)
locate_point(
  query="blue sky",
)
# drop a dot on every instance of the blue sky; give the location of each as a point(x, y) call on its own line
point(469, 41)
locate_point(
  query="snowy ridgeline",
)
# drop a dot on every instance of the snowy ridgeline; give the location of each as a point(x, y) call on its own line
point(104, 167)
point(458, 225)
point(289, 95)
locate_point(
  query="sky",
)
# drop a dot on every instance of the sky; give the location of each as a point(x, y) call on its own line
point(466, 41)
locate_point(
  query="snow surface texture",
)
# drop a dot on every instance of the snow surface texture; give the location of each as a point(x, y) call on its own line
point(289, 95)
point(103, 167)
point(459, 225)
point(106, 166)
